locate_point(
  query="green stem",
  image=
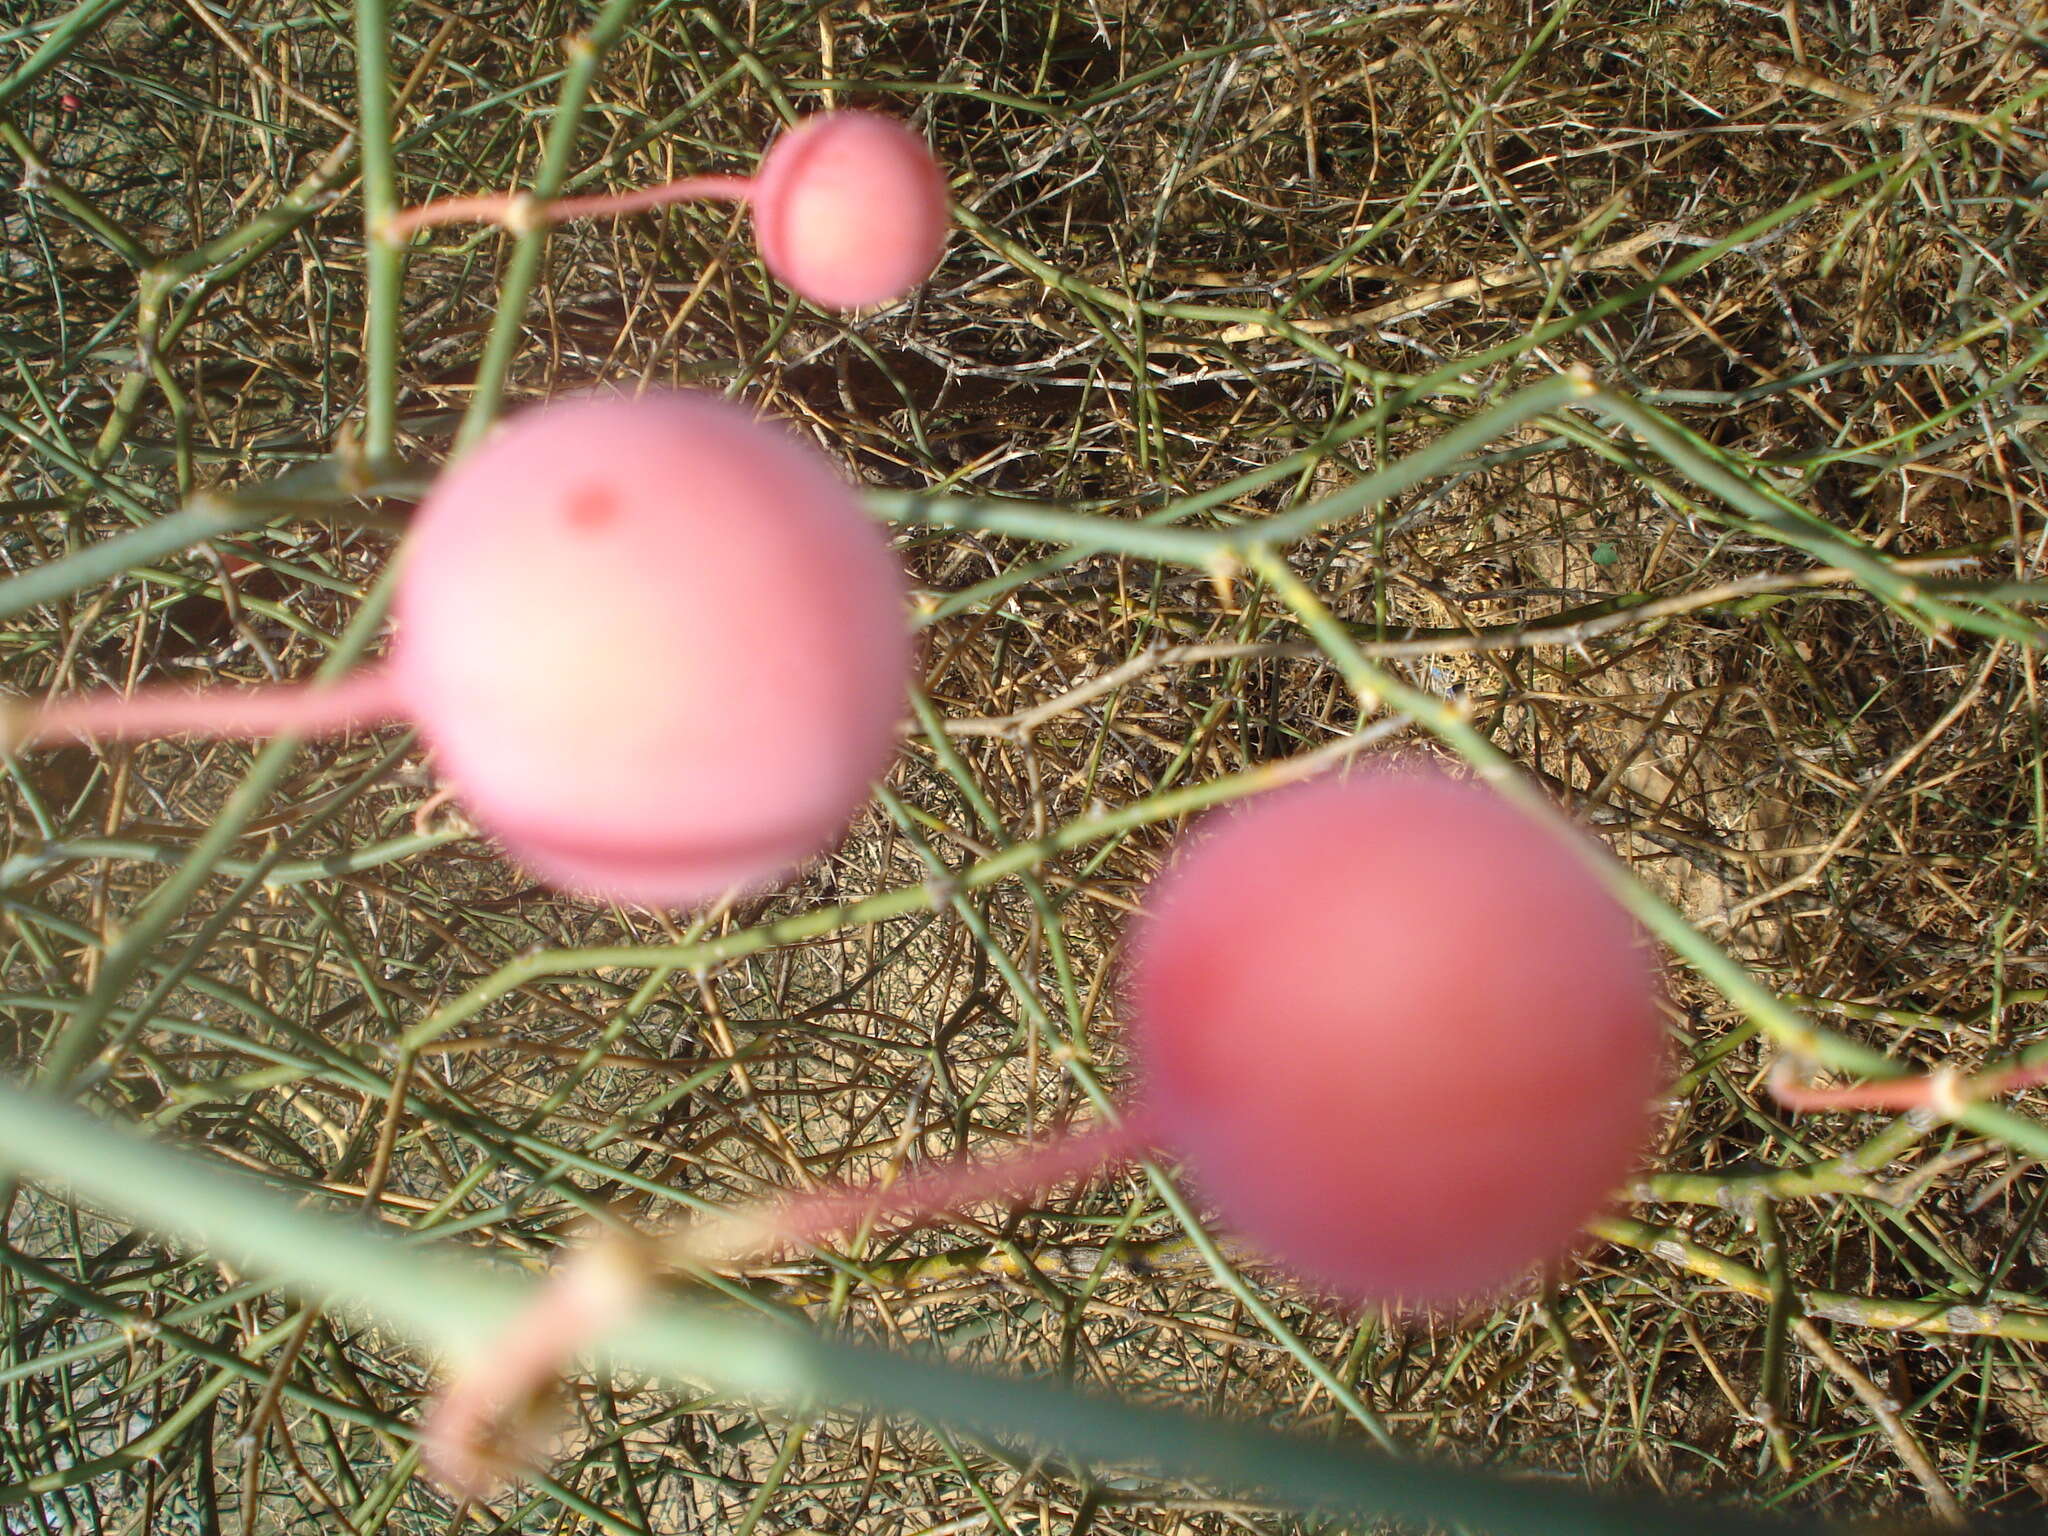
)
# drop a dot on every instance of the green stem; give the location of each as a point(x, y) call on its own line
point(1013, 860)
point(1204, 548)
point(447, 1304)
point(57, 45)
point(1791, 524)
point(585, 52)
point(298, 493)
point(1936, 1316)
point(1770, 1390)
point(33, 858)
point(383, 261)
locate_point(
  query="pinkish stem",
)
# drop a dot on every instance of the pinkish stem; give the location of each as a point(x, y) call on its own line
point(515, 208)
point(314, 709)
point(916, 1197)
point(1943, 1092)
point(492, 1401)
point(1906, 1093)
point(687, 189)
point(498, 1394)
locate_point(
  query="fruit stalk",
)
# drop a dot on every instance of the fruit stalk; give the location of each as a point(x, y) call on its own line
point(482, 1423)
point(517, 210)
point(308, 709)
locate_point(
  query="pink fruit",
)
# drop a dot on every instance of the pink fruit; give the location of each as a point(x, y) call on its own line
point(655, 644)
point(850, 209)
point(1402, 1036)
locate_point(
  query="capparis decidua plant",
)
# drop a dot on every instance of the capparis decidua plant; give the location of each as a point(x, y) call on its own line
point(1368, 425)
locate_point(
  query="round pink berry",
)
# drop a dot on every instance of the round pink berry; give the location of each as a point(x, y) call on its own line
point(655, 644)
point(1403, 1036)
point(850, 209)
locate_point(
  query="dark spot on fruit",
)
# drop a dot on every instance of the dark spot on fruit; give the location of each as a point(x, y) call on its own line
point(591, 507)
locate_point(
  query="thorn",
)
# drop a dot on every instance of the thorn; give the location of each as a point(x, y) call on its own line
point(15, 722)
point(523, 214)
point(1224, 568)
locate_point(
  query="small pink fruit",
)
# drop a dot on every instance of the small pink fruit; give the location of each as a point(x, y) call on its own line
point(850, 209)
point(656, 644)
point(1403, 1037)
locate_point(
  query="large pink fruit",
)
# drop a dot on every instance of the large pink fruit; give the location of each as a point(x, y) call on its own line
point(850, 209)
point(1404, 1039)
point(655, 643)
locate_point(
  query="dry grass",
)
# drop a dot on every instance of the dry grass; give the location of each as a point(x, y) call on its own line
point(1851, 798)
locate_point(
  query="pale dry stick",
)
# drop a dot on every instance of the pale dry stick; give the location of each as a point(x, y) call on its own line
point(776, 1134)
point(1558, 630)
point(1247, 136)
point(1024, 721)
point(1304, 96)
point(429, 59)
point(828, 57)
point(1862, 101)
point(265, 1413)
point(1571, 627)
point(311, 1484)
point(1250, 134)
point(1562, 629)
point(1946, 1507)
point(1608, 257)
point(463, 1045)
point(204, 15)
point(1906, 1191)
point(268, 1406)
point(1743, 1409)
